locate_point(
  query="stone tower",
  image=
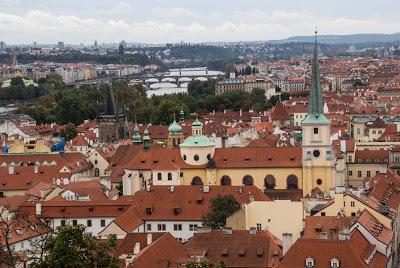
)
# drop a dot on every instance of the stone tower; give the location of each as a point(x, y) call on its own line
point(111, 123)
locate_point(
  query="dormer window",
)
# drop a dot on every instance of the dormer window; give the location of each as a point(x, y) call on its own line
point(149, 211)
point(310, 262)
point(335, 263)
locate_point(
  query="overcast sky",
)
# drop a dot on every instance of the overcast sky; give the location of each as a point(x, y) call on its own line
point(160, 21)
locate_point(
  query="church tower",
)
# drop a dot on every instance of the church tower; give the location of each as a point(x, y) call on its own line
point(111, 123)
point(318, 157)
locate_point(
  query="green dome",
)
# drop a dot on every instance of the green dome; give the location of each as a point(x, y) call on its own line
point(196, 124)
point(174, 128)
point(197, 141)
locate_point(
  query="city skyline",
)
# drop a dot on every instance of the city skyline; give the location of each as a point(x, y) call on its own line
point(160, 22)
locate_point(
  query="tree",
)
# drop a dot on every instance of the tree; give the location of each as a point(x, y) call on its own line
point(12, 223)
point(73, 247)
point(69, 132)
point(221, 208)
point(204, 263)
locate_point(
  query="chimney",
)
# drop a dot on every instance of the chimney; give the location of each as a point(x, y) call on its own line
point(240, 113)
point(172, 188)
point(36, 169)
point(136, 249)
point(78, 163)
point(10, 169)
point(38, 209)
point(149, 239)
point(287, 242)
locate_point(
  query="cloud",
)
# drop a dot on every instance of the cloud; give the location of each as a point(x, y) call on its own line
point(119, 10)
point(175, 13)
point(45, 27)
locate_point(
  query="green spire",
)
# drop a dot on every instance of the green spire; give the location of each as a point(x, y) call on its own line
point(136, 136)
point(146, 140)
point(315, 103)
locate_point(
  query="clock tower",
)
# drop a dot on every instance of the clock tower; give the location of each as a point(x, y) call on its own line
point(318, 157)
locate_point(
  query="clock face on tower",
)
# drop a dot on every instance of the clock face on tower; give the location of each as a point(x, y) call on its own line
point(316, 153)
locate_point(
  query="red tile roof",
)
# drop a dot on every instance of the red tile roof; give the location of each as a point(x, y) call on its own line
point(280, 113)
point(186, 202)
point(314, 225)
point(350, 253)
point(164, 252)
point(238, 248)
point(375, 228)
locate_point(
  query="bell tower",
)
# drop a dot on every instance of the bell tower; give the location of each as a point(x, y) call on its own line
point(318, 157)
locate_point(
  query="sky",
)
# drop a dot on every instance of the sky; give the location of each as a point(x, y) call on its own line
point(161, 21)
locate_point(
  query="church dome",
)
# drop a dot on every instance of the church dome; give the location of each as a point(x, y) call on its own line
point(174, 128)
point(196, 124)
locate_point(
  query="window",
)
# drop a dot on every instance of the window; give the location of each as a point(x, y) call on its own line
point(377, 172)
point(197, 181)
point(159, 176)
point(292, 182)
point(352, 203)
point(358, 131)
point(208, 156)
point(74, 222)
point(97, 172)
point(169, 176)
point(350, 158)
point(323, 214)
point(226, 180)
point(353, 214)
point(319, 181)
point(316, 153)
point(62, 222)
point(368, 173)
point(259, 226)
point(102, 223)
point(177, 227)
point(89, 223)
point(196, 157)
point(309, 262)
point(350, 173)
point(247, 180)
point(192, 227)
point(315, 130)
point(148, 227)
point(335, 263)
point(359, 174)
point(184, 157)
point(161, 227)
point(269, 182)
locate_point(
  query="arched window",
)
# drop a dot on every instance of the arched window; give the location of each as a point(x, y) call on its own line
point(97, 172)
point(159, 176)
point(373, 131)
point(197, 181)
point(225, 180)
point(380, 132)
point(269, 182)
point(248, 180)
point(292, 182)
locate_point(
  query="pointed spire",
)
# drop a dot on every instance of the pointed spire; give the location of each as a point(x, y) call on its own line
point(146, 140)
point(315, 102)
point(136, 135)
point(110, 108)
